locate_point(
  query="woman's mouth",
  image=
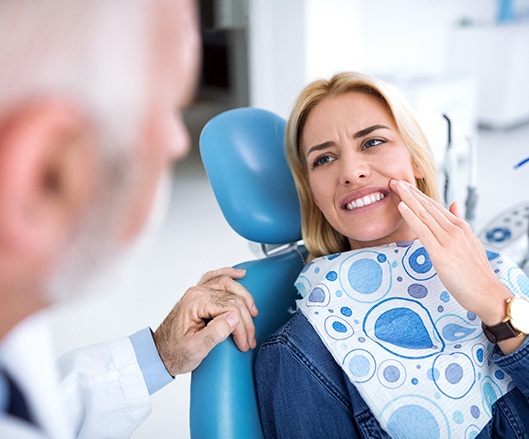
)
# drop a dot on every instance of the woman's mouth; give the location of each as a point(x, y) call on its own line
point(366, 200)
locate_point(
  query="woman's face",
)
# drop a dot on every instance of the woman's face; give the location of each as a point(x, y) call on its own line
point(353, 150)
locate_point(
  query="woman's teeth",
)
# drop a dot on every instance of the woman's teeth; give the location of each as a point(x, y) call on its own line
point(364, 201)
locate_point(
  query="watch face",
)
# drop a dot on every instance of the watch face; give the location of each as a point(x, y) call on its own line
point(520, 314)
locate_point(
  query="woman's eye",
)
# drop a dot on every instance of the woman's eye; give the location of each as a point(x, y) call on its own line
point(321, 160)
point(373, 142)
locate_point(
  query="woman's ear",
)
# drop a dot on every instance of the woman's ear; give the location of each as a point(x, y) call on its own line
point(417, 171)
point(47, 174)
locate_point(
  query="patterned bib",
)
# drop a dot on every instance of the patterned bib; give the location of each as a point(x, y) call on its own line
point(419, 360)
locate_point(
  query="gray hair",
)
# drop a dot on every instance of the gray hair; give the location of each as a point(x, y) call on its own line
point(95, 54)
point(92, 52)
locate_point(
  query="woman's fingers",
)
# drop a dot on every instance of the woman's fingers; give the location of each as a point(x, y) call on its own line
point(422, 216)
point(454, 209)
point(439, 221)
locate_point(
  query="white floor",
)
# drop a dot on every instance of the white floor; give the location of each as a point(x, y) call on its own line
point(196, 238)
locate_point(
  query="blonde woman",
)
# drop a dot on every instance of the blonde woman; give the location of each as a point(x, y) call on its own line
point(401, 303)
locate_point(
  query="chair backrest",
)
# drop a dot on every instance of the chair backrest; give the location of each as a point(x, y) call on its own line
point(242, 151)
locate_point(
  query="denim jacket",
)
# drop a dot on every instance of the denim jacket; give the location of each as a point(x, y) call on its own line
point(304, 393)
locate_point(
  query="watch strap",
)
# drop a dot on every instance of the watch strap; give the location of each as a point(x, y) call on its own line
point(501, 331)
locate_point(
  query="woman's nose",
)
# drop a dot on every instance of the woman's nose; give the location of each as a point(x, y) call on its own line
point(353, 169)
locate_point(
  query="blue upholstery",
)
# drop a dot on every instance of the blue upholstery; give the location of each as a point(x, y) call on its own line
point(242, 151)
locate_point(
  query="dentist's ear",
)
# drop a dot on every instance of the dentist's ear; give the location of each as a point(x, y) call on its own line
point(47, 175)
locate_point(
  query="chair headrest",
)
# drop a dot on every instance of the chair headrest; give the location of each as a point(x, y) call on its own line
point(242, 151)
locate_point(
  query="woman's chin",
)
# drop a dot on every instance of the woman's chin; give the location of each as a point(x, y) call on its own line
point(380, 237)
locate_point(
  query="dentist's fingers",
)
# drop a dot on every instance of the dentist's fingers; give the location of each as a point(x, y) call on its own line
point(215, 332)
point(182, 348)
point(228, 273)
point(230, 292)
point(205, 315)
point(234, 273)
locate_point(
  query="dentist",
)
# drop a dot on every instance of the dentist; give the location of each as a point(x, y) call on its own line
point(91, 97)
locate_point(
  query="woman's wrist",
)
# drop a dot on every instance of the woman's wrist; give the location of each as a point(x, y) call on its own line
point(491, 307)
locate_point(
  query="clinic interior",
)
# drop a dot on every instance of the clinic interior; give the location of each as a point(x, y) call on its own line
point(462, 59)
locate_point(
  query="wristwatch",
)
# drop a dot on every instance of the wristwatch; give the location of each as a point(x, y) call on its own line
point(513, 325)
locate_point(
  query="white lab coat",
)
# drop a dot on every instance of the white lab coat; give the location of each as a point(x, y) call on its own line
point(99, 391)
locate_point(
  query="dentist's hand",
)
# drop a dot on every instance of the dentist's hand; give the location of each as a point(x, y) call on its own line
point(206, 315)
point(456, 253)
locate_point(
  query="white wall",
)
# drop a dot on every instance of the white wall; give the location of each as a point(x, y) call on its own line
point(292, 42)
point(276, 50)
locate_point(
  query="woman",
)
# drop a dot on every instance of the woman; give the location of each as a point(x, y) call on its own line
point(387, 339)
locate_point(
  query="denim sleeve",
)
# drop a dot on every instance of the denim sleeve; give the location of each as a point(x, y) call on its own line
point(151, 365)
point(294, 401)
point(516, 364)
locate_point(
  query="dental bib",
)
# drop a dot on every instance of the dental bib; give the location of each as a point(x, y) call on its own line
point(418, 359)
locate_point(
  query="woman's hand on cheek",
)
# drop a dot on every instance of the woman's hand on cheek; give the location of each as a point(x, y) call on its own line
point(456, 253)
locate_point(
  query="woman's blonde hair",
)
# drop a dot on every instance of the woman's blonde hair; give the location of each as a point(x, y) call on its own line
point(319, 236)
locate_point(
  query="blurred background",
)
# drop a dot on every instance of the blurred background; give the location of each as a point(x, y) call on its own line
point(466, 60)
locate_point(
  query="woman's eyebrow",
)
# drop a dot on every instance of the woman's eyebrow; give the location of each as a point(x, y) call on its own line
point(319, 147)
point(369, 130)
point(358, 134)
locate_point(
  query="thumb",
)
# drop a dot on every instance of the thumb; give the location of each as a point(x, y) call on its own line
point(216, 331)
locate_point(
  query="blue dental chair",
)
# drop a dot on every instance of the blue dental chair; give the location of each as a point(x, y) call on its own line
point(242, 151)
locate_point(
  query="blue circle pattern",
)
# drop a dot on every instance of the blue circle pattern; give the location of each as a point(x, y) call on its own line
point(338, 328)
point(317, 295)
point(361, 364)
point(331, 275)
point(391, 374)
point(441, 350)
point(420, 261)
point(410, 416)
point(361, 283)
point(417, 264)
point(346, 311)
point(418, 291)
point(366, 276)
